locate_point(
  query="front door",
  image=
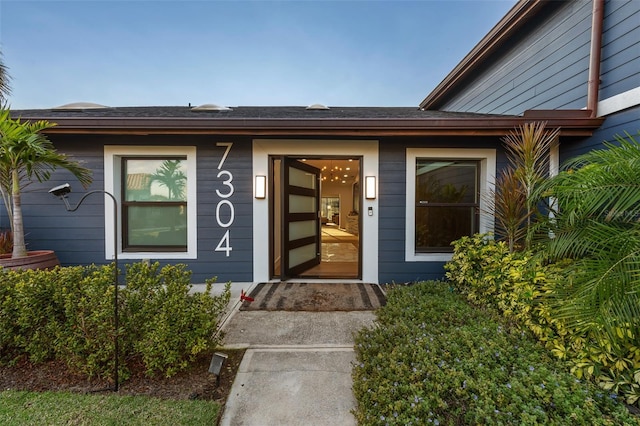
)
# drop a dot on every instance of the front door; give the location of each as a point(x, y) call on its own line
point(300, 218)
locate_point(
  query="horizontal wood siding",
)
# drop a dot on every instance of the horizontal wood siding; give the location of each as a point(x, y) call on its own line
point(392, 267)
point(546, 66)
point(238, 266)
point(620, 69)
point(75, 235)
point(78, 237)
point(615, 124)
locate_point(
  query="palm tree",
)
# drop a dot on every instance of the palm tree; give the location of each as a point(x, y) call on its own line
point(5, 89)
point(597, 224)
point(27, 154)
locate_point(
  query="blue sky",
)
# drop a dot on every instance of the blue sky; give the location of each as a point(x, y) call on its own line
point(233, 53)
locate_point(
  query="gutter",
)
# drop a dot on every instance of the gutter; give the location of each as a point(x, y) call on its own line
point(572, 123)
point(595, 56)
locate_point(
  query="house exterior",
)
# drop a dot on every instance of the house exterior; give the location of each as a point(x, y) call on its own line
point(554, 55)
point(253, 194)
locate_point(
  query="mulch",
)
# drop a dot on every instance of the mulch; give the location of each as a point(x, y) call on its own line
point(314, 297)
point(193, 383)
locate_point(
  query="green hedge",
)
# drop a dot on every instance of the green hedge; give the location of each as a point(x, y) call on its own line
point(68, 314)
point(520, 287)
point(434, 359)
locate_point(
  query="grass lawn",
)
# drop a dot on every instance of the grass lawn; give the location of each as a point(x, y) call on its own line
point(64, 408)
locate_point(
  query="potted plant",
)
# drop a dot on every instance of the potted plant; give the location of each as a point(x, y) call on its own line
point(27, 155)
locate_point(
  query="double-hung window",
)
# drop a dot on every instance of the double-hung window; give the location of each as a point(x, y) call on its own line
point(445, 199)
point(154, 204)
point(156, 191)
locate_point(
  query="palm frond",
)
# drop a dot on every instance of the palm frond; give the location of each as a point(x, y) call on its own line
point(596, 222)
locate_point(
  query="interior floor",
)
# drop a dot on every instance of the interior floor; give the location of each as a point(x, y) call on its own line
point(340, 251)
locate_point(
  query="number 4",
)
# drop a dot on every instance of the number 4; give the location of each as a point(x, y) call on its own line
point(224, 245)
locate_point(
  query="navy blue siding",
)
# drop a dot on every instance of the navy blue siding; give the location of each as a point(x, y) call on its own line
point(78, 237)
point(620, 68)
point(239, 265)
point(74, 235)
point(615, 124)
point(392, 266)
point(544, 67)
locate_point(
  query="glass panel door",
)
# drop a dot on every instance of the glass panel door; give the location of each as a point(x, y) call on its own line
point(301, 227)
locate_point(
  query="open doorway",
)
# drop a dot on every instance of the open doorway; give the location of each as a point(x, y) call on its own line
point(328, 247)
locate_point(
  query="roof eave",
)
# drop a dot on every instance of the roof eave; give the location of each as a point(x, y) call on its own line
point(578, 124)
point(519, 14)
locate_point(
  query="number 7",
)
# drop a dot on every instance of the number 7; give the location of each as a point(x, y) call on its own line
point(226, 152)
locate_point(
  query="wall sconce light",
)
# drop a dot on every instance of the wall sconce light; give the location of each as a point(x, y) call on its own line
point(261, 187)
point(370, 187)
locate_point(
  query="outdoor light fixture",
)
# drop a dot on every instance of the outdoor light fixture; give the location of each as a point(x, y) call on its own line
point(62, 191)
point(216, 364)
point(261, 187)
point(370, 187)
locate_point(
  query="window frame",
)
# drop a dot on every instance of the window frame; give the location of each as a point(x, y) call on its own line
point(125, 205)
point(113, 175)
point(487, 161)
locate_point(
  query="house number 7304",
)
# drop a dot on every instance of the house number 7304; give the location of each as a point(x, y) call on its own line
point(224, 205)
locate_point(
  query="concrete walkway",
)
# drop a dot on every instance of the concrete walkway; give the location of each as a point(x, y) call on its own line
point(296, 369)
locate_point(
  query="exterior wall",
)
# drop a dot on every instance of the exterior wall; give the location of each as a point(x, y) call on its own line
point(545, 67)
point(615, 124)
point(620, 67)
point(619, 98)
point(393, 200)
point(79, 237)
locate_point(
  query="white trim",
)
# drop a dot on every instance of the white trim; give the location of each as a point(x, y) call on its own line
point(622, 101)
point(368, 150)
point(487, 159)
point(112, 176)
point(554, 159)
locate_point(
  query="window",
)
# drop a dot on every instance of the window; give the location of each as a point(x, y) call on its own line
point(156, 191)
point(446, 202)
point(444, 199)
point(154, 204)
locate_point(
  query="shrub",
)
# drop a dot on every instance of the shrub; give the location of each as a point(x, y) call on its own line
point(434, 359)
point(169, 326)
point(68, 314)
point(522, 289)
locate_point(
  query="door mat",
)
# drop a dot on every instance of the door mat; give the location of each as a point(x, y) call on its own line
point(314, 297)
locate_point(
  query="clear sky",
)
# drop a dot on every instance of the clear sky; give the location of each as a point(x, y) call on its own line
point(234, 53)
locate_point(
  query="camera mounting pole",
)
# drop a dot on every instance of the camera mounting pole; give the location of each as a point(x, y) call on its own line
point(62, 191)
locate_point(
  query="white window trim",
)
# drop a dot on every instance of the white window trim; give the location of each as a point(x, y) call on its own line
point(112, 175)
point(487, 158)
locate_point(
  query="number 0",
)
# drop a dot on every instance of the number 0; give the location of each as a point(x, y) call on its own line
point(231, 213)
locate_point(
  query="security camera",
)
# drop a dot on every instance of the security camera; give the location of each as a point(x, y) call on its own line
point(60, 190)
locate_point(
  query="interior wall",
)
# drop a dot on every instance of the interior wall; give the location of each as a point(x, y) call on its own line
point(345, 193)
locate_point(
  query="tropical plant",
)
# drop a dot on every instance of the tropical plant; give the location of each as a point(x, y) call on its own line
point(514, 202)
point(596, 222)
point(6, 242)
point(5, 89)
point(27, 154)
